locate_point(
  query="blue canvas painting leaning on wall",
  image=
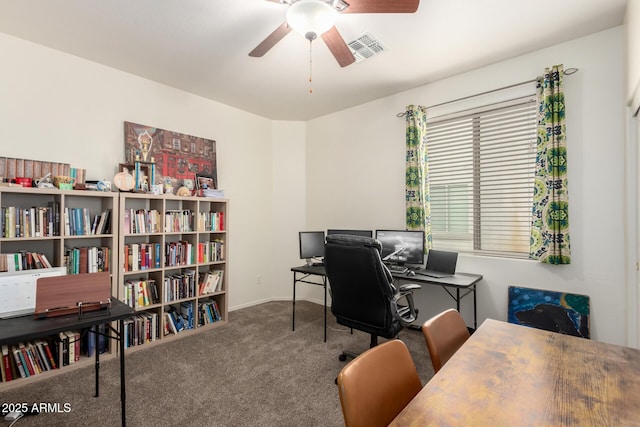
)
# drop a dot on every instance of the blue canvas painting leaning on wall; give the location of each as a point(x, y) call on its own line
point(549, 310)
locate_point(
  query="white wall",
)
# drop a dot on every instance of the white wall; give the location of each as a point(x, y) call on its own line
point(350, 173)
point(355, 177)
point(58, 107)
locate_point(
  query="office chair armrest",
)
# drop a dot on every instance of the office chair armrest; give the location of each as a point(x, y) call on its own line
point(406, 313)
point(409, 287)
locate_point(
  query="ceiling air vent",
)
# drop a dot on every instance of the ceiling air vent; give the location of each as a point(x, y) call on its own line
point(365, 46)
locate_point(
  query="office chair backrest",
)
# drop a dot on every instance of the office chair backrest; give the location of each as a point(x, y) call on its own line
point(361, 285)
point(377, 385)
point(444, 333)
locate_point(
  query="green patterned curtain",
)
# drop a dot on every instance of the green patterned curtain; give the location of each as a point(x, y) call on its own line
point(417, 173)
point(550, 220)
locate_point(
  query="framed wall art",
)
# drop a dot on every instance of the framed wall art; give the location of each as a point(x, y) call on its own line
point(177, 157)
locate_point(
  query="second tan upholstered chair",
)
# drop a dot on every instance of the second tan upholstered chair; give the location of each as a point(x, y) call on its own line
point(375, 386)
point(444, 333)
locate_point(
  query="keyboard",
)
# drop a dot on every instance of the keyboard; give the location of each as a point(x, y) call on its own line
point(398, 269)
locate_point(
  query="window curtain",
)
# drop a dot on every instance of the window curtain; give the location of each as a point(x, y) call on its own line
point(417, 173)
point(550, 214)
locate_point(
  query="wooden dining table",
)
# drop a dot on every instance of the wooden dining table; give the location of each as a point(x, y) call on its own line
point(513, 375)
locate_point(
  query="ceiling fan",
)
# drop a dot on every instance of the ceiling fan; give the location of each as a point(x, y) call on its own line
point(313, 18)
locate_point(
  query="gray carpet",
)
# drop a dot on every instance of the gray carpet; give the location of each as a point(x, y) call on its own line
point(254, 371)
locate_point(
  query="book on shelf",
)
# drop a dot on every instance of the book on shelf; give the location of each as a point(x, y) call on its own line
point(169, 321)
point(35, 358)
point(20, 364)
point(41, 347)
point(7, 373)
point(49, 352)
point(26, 361)
point(186, 311)
point(63, 349)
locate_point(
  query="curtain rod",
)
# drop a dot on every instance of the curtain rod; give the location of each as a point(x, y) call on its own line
point(567, 72)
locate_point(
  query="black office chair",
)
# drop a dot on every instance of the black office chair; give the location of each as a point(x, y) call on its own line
point(363, 296)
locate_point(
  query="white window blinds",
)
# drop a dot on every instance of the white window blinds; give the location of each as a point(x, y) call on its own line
point(481, 168)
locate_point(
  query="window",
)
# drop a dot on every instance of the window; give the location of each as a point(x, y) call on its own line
point(481, 169)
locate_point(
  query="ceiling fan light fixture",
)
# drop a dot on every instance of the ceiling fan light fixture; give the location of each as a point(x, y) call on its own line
point(311, 18)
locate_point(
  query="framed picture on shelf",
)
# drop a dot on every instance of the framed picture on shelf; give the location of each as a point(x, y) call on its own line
point(206, 181)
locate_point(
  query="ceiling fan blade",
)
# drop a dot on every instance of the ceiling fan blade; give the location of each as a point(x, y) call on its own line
point(338, 47)
point(271, 40)
point(382, 6)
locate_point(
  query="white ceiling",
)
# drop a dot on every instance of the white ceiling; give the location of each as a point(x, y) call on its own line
point(202, 46)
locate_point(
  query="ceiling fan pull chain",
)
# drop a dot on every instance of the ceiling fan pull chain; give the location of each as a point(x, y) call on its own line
point(310, 66)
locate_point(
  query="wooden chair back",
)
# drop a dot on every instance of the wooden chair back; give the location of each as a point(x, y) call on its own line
point(377, 385)
point(444, 333)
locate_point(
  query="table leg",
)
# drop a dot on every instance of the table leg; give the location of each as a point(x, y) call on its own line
point(97, 363)
point(475, 312)
point(458, 299)
point(293, 318)
point(324, 282)
point(123, 387)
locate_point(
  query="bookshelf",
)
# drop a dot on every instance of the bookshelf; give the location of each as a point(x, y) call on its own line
point(48, 225)
point(173, 265)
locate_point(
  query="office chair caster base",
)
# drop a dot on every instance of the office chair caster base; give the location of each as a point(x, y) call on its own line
point(345, 354)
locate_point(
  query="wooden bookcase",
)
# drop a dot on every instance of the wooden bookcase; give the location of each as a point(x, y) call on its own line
point(44, 211)
point(180, 222)
point(170, 243)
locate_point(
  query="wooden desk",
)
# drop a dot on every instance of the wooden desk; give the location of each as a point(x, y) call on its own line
point(511, 375)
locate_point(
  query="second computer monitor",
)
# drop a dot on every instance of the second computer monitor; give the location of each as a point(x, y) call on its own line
point(311, 244)
point(402, 247)
point(365, 233)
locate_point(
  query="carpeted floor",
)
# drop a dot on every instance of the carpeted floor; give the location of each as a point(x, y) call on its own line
point(254, 371)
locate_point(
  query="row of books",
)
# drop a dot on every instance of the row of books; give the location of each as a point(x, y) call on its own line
point(141, 329)
point(208, 312)
point(88, 259)
point(178, 221)
point(211, 221)
point(211, 251)
point(140, 293)
point(30, 358)
point(23, 260)
point(180, 286)
point(36, 221)
point(179, 318)
point(79, 222)
point(179, 253)
point(142, 256)
point(210, 282)
point(142, 221)
point(28, 168)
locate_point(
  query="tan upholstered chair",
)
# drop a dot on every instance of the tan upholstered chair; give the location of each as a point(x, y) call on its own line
point(444, 333)
point(375, 386)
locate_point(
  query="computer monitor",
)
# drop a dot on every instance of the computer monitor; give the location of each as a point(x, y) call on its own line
point(311, 244)
point(401, 247)
point(365, 233)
